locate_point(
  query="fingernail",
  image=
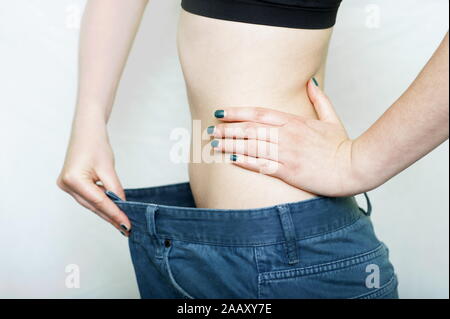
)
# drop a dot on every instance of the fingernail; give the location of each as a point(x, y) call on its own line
point(124, 227)
point(315, 81)
point(215, 143)
point(123, 233)
point(211, 129)
point(233, 157)
point(219, 114)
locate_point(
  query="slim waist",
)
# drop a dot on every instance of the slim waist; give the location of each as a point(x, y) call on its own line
point(169, 212)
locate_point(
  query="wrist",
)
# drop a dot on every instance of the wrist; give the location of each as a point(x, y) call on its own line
point(89, 117)
point(88, 128)
point(363, 172)
point(93, 110)
point(350, 183)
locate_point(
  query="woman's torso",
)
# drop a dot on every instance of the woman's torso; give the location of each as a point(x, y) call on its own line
point(229, 64)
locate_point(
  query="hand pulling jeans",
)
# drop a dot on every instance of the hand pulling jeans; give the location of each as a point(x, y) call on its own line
point(324, 247)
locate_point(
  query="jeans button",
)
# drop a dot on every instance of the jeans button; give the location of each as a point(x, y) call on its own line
point(167, 243)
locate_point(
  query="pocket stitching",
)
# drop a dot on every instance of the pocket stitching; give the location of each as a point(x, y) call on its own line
point(172, 278)
point(382, 291)
point(321, 268)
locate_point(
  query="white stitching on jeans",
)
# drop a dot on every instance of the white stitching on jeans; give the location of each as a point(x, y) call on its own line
point(172, 279)
point(387, 288)
point(314, 269)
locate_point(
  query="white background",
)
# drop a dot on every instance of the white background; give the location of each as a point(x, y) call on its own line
point(43, 230)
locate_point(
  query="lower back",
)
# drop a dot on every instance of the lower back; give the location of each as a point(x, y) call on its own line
point(229, 64)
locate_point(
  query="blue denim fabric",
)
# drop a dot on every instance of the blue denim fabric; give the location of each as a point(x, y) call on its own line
point(323, 247)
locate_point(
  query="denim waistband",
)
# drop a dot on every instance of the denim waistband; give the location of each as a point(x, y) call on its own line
point(169, 212)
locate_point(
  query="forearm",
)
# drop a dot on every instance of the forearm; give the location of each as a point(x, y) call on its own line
point(411, 128)
point(107, 33)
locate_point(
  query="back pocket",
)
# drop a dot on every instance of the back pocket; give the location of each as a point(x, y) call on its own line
point(366, 275)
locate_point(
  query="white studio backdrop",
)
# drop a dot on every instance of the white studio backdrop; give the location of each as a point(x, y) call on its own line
point(377, 50)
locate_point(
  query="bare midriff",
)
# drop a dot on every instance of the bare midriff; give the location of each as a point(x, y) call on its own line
point(232, 64)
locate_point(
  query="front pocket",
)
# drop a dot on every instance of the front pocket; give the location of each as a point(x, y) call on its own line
point(212, 271)
point(171, 277)
point(359, 275)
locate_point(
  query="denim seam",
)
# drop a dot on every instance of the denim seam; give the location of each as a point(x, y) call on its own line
point(153, 188)
point(268, 210)
point(334, 230)
point(253, 244)
point(387, 288)
point(148, 255)
point(192, 210)
point(322, 268)
point(334, 272)
point(137, 236)
point(288, 228)
point(201, 242)
point(256, 254)
point(172, 279)
point(150, 218)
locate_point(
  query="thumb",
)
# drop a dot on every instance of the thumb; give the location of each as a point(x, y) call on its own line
point(111, 182)
point(322, 104)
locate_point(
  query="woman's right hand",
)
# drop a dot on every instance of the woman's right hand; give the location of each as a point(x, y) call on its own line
point(90, 160)
point(104, 48)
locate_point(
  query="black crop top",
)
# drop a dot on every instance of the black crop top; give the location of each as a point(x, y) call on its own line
point(300, 14)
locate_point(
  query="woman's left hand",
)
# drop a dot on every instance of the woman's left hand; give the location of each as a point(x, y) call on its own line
point(312, 155)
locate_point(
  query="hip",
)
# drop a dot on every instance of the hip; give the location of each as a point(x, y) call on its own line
point(318, 248)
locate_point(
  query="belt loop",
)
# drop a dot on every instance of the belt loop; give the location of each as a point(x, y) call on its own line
point(150, 217)
point(289, 233)
point(369, 205)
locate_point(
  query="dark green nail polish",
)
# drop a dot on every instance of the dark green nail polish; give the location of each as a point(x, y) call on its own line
point(315, 82)
point(210, 129)
point(215, 143)
point(233, 157)
point(219, 114)
point(124, 227)
point(123, 233)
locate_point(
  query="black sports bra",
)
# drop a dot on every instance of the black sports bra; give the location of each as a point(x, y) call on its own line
point(300, 14)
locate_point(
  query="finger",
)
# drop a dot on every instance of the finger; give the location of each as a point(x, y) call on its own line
point(246, 130)
point(252, 114)
point(111, 182)
point(322, 104)
point(259, 165)
point(84, 203)
point(97, 198)
point(253, 148)
point(123, 228)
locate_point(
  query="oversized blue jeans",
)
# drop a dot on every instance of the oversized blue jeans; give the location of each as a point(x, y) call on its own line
point(324, 247)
